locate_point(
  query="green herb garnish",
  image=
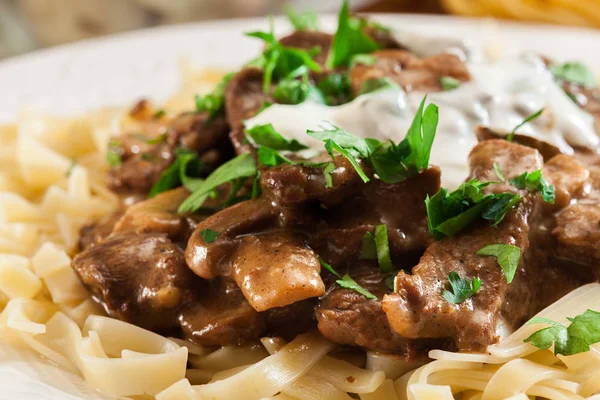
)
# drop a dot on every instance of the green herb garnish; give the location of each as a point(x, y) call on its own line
point(462, 289)
point(573, 72)
point(583, 332)
point(158, 139)
point(208, 235)
point(242, 166)
point(186, 165)
point(335, 88)
point(449, 213)
point(376, 247)
point(349, 40)
point(449, 83)
point(214, 102)
point(159, 114)
point(533, 116)
point(498, 172)
point(113, 156)
point(71, 167)
point(266, 135)
point(303, 21)
point(347, 282)
point(279, 62)
point(363, 59)
point(508, 257)
point(535, 181)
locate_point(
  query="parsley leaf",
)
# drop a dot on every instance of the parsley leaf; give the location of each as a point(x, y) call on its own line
point(377, 247)
point(214, 102)
point(347, 282)
point(266, 135)
point(113, 156)
point(209, 235)
point(583, 331)
point(332, 146)
point(573, 72)
point(383, 248)
point(303, 21)
point(392, 163)
point(462, 289)
point(294, 91)
point(375, 84)
point(158, 139)
point(349, 39)
point(498, 172)
point(280, 62)
point(335, 88)
point(364, 59)
point(533, 116)
point(159, 114)
point(449, 213)
point(242, 166)
point(390, 280)
point(508, 257)
point(177, 173)
point(271, 158)
point(368, 250)
point(449, 83)
point(535, 181)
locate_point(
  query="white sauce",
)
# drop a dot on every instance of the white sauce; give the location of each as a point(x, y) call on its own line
point(501, 95)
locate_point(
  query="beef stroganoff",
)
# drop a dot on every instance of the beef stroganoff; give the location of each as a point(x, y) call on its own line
point(366, 214)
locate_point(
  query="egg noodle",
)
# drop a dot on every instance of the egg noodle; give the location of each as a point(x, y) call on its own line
point(52, 181)
point(567, 12)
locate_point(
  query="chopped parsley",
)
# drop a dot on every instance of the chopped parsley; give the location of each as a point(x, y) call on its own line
point(508, 257)
point(186, 164)
point(303, 21)
point(391, 162)
point(242, 166)
point(209, 235)
point(113, 156)
point(390, 280)
point(271, 158)
point(449, 83)
point(533, 116)
point(158, 139)
point(214, 102)
point(535, 181)
point(375, 84)
point(266, 135)
point(573, 72)
point(349, 40)
point(377, 247)
point(159, 114)
point(498, 172)
point(583, 331)
point(449, 213)
point(295, 91)
point(347, 282)
point(461, 288)
point(335, 88)
point(280, 62)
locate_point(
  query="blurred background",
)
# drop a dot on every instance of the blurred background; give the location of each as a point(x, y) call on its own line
point(26, 25)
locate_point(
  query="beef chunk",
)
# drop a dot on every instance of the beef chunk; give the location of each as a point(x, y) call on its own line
point(347, 317)
point(218, 314)
point(546, 149)
point(244, 97)
point(409, 71)
point(417, 308)
point(93, 233)
point(140, 278)
point(401, 207)
point(143, 160)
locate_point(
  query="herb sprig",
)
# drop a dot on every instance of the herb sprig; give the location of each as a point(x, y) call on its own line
point(535, 181)
point(214, 102)
point(303, 21)
point(583, 331)
point(347, 282)
point(508, 257)
point(376, 247)
point(461, 288)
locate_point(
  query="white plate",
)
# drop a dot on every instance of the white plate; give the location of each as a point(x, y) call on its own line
point(118, 70)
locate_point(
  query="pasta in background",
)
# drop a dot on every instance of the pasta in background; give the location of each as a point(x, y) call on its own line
point(52, 181)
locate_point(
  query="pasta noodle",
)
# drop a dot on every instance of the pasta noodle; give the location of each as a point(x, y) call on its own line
point(45, 200)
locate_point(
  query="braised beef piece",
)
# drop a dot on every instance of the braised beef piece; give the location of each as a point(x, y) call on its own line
point(95, 232)
point(140, 278)
point(347, 317)
point(417, 308)
point(546, 149)
point(145, 156)
point(586, 98)
point(409, 71)
point(401, 207)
